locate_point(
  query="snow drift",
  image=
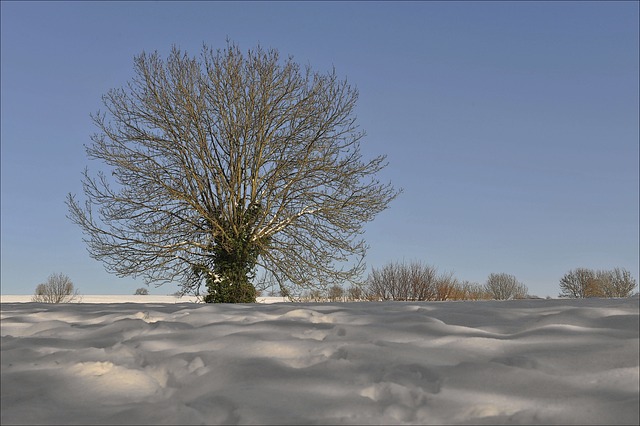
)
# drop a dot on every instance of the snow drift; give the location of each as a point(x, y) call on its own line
point(516, 362)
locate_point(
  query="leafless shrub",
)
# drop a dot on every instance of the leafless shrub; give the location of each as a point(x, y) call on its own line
point(57, 289)
point(355, 293)
point(335, 293)
point(617, 283)
point(504, 287)
point(580, 283)
point(583, 283)
point(314, 295)
point(413, 281)
point(472, 291)
point(446, 288)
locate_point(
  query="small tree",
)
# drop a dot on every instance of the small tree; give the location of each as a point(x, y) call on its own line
point(141, 292)
point(618, 283)
point(336, 293)
point(580, 283)
point(504, 287)
point(57, 289)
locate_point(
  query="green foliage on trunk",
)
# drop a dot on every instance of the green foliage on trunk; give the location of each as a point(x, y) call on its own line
point(227, 292)
point(233, 257)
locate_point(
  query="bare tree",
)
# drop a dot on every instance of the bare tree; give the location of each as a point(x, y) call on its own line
point(583, 282)
point(580, 283)
point(141, 292)
point(618, 283)
point(335, 293)
point(57, 289)
point(225, 165)
point(385, 284)
point(504, 287)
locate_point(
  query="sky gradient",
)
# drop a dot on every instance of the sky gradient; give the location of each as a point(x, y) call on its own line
point(511, 126)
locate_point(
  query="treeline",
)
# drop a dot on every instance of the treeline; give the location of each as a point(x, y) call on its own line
point(417, 281)
point(583, 282)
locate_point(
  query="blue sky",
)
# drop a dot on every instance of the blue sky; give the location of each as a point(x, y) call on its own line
point(512, 126)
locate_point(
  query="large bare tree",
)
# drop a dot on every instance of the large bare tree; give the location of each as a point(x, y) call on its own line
point(225, 164)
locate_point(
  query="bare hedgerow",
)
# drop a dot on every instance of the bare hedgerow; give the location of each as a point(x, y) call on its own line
point(583, 283)
point(57, 289)
point(447, 287)
point(313, 295)
point(415, 281)
point(473, 291)
point(355, 293)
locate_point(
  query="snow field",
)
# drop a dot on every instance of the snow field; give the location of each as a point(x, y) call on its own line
point(515, 362)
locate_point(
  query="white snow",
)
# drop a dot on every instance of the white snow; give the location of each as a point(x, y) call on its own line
point(515, 362)
point(124, 298)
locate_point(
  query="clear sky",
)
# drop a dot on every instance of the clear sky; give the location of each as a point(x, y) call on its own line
point(512, 126)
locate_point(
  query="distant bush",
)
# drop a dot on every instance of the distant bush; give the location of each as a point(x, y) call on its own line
point(579, 283)
point(57, 289)
point(446, 287)
point(617, 283)
point(355, 293)
point(505, 287)
point(141, 292)
point(412, 282)
point(471, 291)
point(335, 293)
point(584, 283)
point(401, 281)
point(314, 295)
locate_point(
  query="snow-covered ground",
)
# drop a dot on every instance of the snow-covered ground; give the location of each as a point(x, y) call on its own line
point(124, 298)
point(516, 362)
